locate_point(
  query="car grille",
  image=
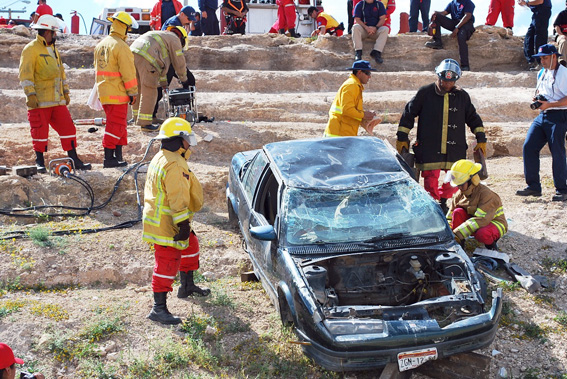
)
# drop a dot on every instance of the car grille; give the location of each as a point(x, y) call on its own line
point(357, 247)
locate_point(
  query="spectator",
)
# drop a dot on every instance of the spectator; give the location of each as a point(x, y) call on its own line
point(42, 9)
point(536, 35)
point(347, 113)
point(506, 7)
point(196, 29)
point(560, 26)
point(62, 26)
point(8, 365)
point(11, 24)
point(42, 76)
point(417, 7)
point(235, 15)
point(185, 17)
point(442, 109)
point(286, 17)
point(461, 24)
point(326, 24)
point(369, 18)
point(210, 22)
point(162, 11)
point(350, 10)
point(550, 126)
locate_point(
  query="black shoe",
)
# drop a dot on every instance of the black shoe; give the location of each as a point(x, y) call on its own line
point(118, 154)
point(358, 55)
point(435, 44)
point(528, 192)
point(79, 165)
point(40, 162)
point(160, 313)
point(465, 68)
point(292, 33)
point(492, 246)
point(149, 128)
point(559, 197)
point(188, 287)
point(110, 160)
point(377, 56)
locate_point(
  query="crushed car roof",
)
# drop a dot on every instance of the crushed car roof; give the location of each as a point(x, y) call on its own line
point(335, 163)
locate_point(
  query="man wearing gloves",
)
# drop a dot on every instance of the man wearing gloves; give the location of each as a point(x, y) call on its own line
point(172, 196)
point(117, 86)
point(442, 109)
point(43, 79)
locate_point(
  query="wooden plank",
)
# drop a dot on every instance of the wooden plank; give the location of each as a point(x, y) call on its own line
point(24, 170)
point(463, 366)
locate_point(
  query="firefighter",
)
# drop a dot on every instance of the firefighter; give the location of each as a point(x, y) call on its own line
point(286, 17)
point(172, 195)
point(116, 84)
point(475, 210)
point(43, 79)
point(154, 52)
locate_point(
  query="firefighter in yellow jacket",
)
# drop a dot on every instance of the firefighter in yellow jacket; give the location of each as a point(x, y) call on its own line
point(475, 210)
point(43, 79)
point(116, 84)
point(154, 52)
point(172, 195)
point(346, 113)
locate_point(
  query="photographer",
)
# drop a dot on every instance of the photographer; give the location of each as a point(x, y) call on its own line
point(549, 126)
point(8, 365)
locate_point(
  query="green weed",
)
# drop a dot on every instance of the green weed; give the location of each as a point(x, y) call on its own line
point(195, 325)
point(220, 297)
point(40, 236)
point(561, 318)
point(553, 265)
point(102, 329)
point(10, 306)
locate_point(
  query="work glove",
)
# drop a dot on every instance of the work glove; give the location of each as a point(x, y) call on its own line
point(400, 146)
point(67, 98)
point(185, 84)
point(184, 231)
point(132, 99)
point(481, 146)
point(32, 102)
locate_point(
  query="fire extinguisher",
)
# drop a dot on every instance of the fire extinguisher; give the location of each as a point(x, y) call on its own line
point(74, 23)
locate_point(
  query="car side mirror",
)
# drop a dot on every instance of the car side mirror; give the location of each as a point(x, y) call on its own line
point(263, 233)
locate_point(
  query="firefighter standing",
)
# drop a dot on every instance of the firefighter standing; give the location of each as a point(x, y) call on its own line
point(286, 17)
point(116, 84)
point(475, 210)
point(172, 195)
point(154, 52)
point(43, 79)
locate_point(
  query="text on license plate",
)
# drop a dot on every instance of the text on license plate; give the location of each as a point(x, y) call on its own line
point(412, 359)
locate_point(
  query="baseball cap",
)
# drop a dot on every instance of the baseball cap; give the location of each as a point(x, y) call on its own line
point(361, 65)
point(547, 49)
point(189, 12)
point(7, 358)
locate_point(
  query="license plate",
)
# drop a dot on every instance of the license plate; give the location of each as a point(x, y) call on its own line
point(412, 359)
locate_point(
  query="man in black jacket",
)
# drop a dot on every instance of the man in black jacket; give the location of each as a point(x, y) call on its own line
point(443, 110)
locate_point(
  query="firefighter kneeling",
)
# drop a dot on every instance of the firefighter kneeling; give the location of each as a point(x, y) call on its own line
point(172, 195)
point(475, 209)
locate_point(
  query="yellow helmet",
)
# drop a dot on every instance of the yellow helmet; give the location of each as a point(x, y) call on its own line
point(182, 37)
point(461, 171)
point(125, 18)
point(177, 127)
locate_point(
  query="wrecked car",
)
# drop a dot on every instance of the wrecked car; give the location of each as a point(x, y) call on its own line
point(356, 256)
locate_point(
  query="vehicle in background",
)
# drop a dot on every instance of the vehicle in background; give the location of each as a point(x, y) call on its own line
point(101, 25)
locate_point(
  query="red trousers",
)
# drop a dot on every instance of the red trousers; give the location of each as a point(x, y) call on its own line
point(60, 119)
point(115, 132)
point(286, 16)
point(506, 7)
point(169, 260)
point(487, 234)
point(431, 185)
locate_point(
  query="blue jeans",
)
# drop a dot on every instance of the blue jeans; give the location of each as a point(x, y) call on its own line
point(417, 6)
point(537, 32)
point(549, 127)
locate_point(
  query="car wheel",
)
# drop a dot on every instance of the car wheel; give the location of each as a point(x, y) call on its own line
point(232, 216)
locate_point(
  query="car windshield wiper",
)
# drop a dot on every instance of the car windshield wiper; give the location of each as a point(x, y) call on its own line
point(393, 236)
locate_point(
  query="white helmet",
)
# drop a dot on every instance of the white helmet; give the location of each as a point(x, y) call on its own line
point(47, 22)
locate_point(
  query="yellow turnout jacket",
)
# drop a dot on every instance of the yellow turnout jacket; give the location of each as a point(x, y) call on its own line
point(346, 112)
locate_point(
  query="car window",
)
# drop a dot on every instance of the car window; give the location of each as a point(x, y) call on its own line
point(389, 211)
point(266, 202)
point(253, 174)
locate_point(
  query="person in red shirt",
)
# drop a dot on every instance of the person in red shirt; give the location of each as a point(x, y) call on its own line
point(326, 24)
point(286, 17)
point(42, 8)
point(162, 11)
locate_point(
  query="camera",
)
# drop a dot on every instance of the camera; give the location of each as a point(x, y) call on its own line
point(536, 104)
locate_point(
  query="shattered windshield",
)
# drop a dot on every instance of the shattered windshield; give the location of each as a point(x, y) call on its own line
point(392, 210)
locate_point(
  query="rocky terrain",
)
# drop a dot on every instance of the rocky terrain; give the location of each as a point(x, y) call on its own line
point(260, 89)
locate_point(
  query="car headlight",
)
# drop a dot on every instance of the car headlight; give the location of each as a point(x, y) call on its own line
point(354, 326)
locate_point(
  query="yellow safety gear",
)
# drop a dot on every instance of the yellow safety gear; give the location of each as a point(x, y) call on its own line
point(32, 102)
point(182, 37)
point(346, 112)
point(124, 18)
point(481, 146)
point(47, 22)
point(42, 74)
point(400, 146)
point(172, 194)
point(461, 171)
point(331, 22)
point(177, 127)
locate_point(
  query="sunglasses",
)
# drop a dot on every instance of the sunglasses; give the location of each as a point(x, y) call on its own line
point(367, 73)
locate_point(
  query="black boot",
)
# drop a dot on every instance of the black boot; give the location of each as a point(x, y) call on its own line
point(79, 165)
point(159, 311)
point(436, 43)
point(443, 205)
point(110, 160)
point(40, 162)
point(492, 246)
point(358, 55)
point(188, 287)
point(377, 56)
point(118, 154)
point(292, 33)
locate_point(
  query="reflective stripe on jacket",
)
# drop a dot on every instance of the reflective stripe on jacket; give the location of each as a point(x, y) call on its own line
point(346, 112)
point(483, 205)
point(114, 66)
point(43, 75)
point(172, 194)
point(160, 49)
point(155, 14)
